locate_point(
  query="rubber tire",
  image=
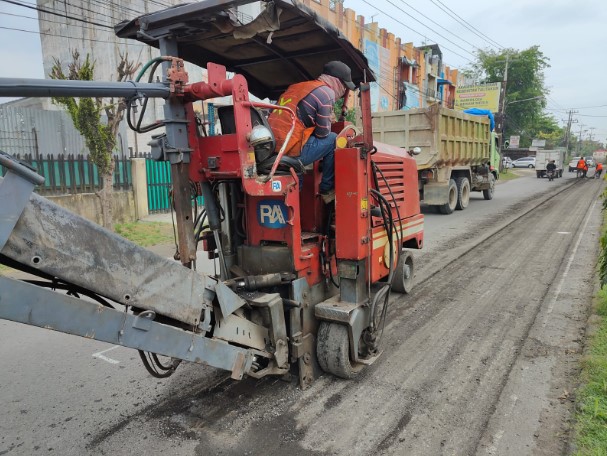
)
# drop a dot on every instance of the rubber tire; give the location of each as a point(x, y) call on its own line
point(530, 166)
point(488, 194)
point(449, 207)
point(333, 349)
point(402, 282)
point(463, 193)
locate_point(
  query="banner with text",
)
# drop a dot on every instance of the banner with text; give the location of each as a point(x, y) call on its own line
point(483, 96)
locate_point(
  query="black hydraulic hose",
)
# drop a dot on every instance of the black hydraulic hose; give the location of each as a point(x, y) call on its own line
point(400, 220)
point(138, 128)
point(384, 206)
point(155, 367)
point(211, 206)
point(328, 259)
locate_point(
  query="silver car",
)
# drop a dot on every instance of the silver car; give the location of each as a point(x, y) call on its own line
point(525, 162)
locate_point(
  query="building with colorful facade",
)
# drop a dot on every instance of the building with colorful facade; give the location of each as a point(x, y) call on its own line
point(408, 76)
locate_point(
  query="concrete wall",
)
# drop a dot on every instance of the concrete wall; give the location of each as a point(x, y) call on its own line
point(88, 205)
point(128, 205)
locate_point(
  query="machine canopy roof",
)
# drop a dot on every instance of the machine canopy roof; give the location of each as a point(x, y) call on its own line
point(287, 43)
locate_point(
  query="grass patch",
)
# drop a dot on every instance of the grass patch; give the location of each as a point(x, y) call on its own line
point(146, 234)
point(508, 175)
point(591, 415)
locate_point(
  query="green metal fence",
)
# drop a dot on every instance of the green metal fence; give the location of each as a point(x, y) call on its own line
point(159, 185)
point(69, 174)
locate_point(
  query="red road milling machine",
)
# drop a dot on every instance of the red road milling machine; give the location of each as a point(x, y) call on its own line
point(302, 285)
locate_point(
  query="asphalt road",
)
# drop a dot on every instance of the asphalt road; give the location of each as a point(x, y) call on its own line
point(480, 359)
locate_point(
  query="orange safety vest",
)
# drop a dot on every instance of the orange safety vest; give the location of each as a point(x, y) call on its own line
point(280, 120)
point(582, 165)
point(599, 167)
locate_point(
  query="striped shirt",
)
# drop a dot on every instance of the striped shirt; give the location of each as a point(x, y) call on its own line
point(316, 110)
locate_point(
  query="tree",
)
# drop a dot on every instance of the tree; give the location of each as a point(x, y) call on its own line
point(86, 113)
point(525, 90)
point(350, 113)
point(546, 127)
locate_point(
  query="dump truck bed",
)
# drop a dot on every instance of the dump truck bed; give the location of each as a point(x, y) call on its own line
point(446, 137)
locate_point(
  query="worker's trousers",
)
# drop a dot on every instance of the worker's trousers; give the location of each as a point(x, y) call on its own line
point(317, 149)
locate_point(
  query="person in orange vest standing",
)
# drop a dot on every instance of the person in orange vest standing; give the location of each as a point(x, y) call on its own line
point(582, 166)
point(312, 139)
point(599, 170)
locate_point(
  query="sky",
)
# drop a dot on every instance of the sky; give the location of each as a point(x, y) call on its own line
point(571, 34)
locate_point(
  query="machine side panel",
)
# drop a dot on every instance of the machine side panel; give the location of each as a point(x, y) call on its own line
point(53, 240)
point(351, 205)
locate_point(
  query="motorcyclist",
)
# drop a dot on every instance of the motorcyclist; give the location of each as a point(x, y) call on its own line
point(582, 166)
point(551, 168)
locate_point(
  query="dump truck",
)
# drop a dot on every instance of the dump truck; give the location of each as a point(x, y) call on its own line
point(303, 285)
point(543, 157)
point(458, 152)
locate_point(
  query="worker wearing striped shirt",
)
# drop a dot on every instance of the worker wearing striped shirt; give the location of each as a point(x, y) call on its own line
point(312, 138)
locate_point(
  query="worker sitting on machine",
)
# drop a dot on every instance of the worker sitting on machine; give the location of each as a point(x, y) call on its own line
point(312, 138)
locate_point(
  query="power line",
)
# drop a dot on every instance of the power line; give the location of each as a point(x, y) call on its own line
point(66, 16)
point(51, 21)
point(429, 28)
point(466, 24)
point(60, 36)
point(413, 30)
point(436, 23)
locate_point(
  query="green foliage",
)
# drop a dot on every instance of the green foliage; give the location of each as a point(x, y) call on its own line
point(591, 413)
point(603, 243)
point(86, 113)
point(525, 90)
point(546, 127)
point(350, 113)
point(591, 416)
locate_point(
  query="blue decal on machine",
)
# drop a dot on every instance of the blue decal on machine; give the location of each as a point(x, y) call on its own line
point(272, 213)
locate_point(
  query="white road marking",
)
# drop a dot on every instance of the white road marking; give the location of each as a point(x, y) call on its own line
point(559, 287)
point(100, 355)
point(563, 232)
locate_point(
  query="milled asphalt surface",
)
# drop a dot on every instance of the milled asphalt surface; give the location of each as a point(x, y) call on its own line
point(480, 359)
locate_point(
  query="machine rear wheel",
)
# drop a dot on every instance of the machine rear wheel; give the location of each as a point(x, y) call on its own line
point(333, 349)
point(451, 203)
point(463, 193)
point(402, 281)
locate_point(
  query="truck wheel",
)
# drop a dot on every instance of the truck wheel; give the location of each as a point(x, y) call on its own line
point(488, 193)
point(538, 174)
point(402, 282)
point(333, 349)
point(463, 193)
point(451, 203)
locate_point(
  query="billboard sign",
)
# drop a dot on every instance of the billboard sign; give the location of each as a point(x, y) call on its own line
point(514, 142)
point(538, 143)
point(482, 96)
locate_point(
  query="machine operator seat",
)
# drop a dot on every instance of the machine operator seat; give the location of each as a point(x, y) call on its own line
point(265, 153)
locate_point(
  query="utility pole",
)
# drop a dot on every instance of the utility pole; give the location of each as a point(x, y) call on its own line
point(502, 104)
point(579, 143)
point(568, 132)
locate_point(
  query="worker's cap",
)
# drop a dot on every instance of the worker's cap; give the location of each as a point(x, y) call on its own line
point(341, 71)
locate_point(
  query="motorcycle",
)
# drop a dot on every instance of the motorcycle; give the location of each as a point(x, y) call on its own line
point(550, 174)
